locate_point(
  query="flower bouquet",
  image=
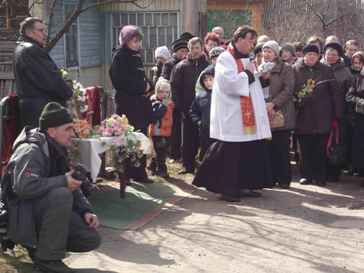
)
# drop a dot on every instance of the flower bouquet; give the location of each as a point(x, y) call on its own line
point(78, 103)
point(126, 148)
point(82, 128)
point(306, 91)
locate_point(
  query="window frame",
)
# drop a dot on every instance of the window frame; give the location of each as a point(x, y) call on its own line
point(77, 22)
point(176, 29)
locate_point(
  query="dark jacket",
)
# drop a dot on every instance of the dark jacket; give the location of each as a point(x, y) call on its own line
point(184, 81)
point(200, 110)
point(201, 105)
point(38, 81)
point(355, 93)
point(168, 67)
point(344, 78)
point(281, 87)
point(317, 111)
point(38, 165)
point(127, 73)
point(128, 78)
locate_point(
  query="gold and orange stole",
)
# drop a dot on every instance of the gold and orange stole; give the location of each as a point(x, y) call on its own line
point(246, 103)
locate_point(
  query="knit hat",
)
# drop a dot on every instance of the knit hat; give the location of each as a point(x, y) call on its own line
point(186, 36)
point(54, 115)
point(272, 45)
point(162, 52)
point(335, 46)
point(289, 48)
point(178, 44)
point(311, 48)
point(216, 51)
point(127, 33)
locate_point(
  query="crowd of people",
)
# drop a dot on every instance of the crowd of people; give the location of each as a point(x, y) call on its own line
point(241, 107)
point(231, 111)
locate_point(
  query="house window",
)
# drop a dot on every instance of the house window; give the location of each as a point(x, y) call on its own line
point(159, 28)
point(71, 39)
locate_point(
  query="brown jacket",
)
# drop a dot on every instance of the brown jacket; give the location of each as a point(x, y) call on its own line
point(317, 111)
point(281, 85)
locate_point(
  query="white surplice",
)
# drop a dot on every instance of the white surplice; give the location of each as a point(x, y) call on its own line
point(226, 123)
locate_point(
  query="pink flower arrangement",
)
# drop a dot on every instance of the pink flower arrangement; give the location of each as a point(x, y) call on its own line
point(115, 126)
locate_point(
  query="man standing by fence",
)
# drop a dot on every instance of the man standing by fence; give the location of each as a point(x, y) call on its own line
point(38, 79)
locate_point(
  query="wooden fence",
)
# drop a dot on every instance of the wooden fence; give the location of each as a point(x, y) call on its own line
point(7, 80)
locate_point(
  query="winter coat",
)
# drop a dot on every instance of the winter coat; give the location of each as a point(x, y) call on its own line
point(128, 78)
point(201, 105)
point(344, 78)
point(226, 118)
point(317, 111)
point(356, 95)
point(162, 119)
point(184, 80)
point(38, 165)
point(281, 87)
point(356, 92)
point(38, 79)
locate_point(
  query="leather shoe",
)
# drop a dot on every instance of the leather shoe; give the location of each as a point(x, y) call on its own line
point(321, 183)
point(305, 181)
point(229, 198)
point(250, 193)
point(284, 185)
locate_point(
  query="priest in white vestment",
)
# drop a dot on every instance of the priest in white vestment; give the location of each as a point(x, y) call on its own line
point(238, 162)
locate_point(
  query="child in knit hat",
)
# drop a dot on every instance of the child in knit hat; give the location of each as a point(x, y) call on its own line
point(161, 128)
point(161, 55)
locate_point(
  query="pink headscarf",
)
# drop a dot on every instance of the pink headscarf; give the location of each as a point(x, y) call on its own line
point(127, 33)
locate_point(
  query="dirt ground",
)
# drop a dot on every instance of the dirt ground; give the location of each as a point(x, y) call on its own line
point(304, 229)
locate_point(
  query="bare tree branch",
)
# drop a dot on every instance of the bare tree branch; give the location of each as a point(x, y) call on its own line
point(52, 7)
point(80, 8)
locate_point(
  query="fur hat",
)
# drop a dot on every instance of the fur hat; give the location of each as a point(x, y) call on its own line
point(162, 52)
point(127, 33)
point(186, 36)
point(335, 46)
point(54, 115)
point(216, 51)
point(311, 48)
point(273, 45)
point(178, 44)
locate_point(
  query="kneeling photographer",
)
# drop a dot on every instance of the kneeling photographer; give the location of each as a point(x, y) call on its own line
point(48, 212)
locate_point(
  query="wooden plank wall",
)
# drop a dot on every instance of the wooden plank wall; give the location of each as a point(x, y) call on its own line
point(7, 80)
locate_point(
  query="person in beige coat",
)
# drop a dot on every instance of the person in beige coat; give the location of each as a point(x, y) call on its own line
point(279, 81)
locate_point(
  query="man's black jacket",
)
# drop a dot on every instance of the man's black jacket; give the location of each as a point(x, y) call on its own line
point(36, 74)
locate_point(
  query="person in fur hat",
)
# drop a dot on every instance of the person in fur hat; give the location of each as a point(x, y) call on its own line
point(161, 128)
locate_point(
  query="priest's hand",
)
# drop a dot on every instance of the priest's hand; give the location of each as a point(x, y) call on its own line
point(270, 109)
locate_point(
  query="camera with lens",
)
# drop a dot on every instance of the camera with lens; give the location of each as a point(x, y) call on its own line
point(80, 173)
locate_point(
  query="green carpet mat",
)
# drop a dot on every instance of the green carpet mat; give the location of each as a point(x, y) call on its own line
point(140, 201)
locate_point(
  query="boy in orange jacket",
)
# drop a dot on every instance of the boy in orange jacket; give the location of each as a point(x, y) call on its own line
point(161, 128)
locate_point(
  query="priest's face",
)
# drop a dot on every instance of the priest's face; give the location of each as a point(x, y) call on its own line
point(246, 45)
